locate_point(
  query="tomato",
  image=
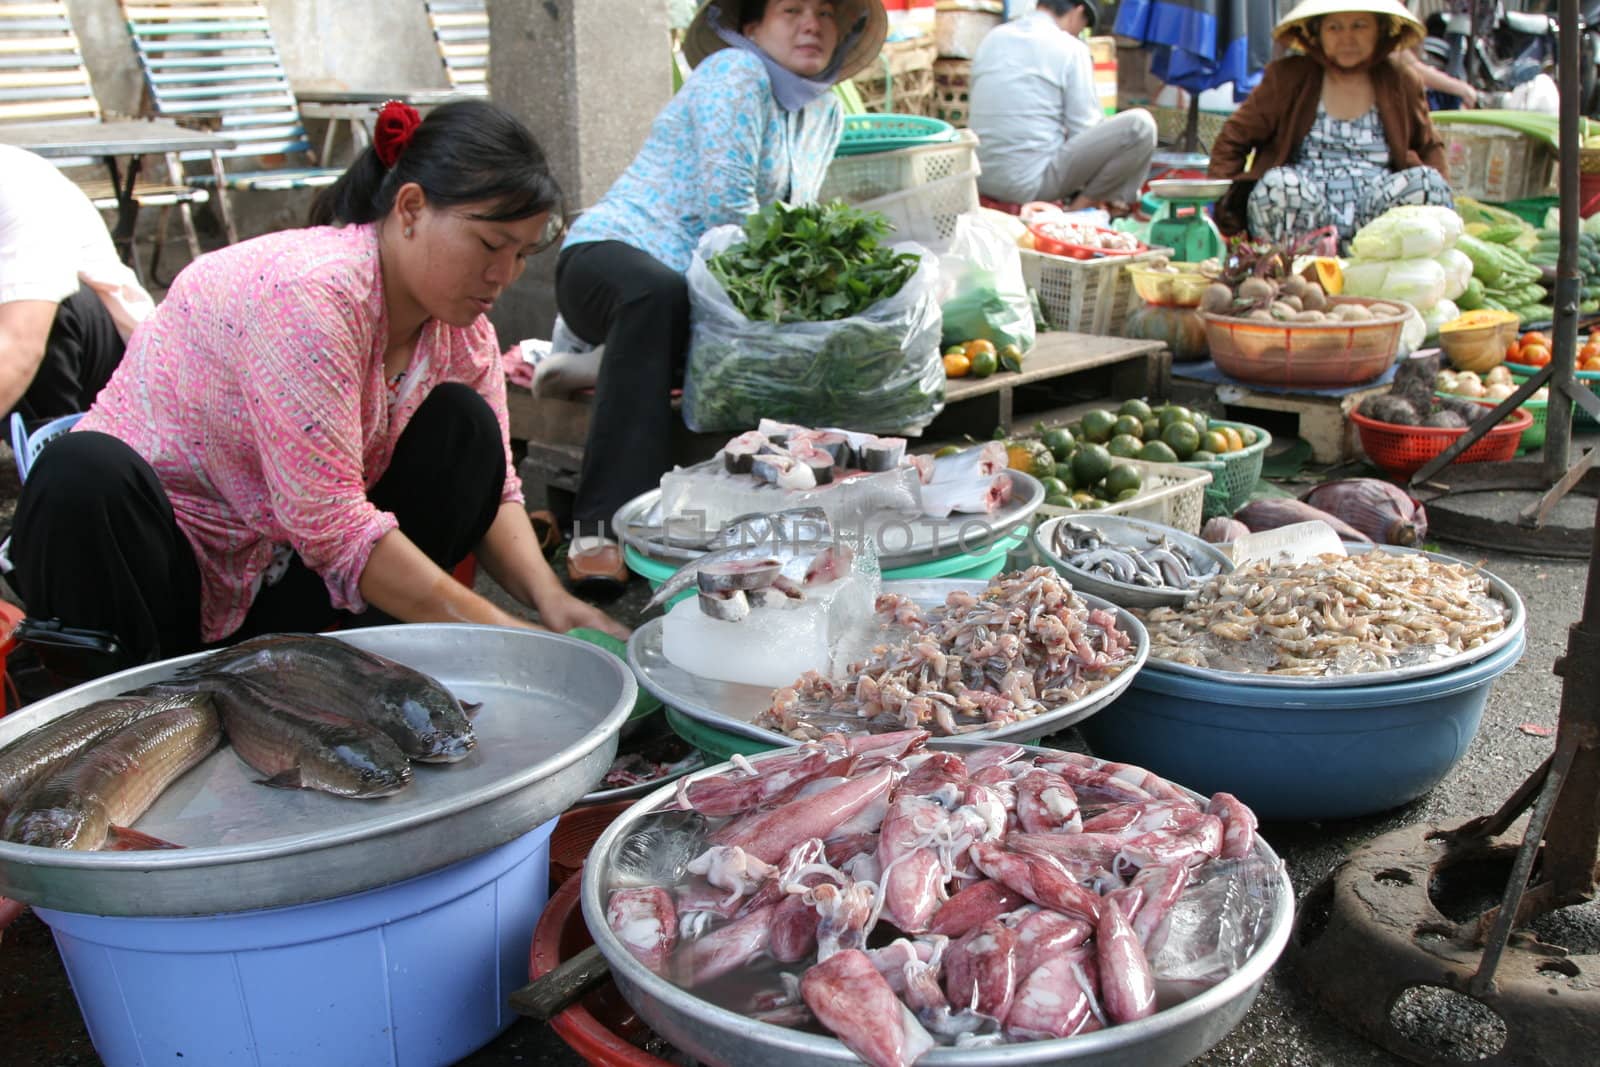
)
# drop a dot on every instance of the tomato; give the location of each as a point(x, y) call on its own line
point(1514, 352)
point(1589, 352)
point(1534, 355)
point(957, 365)
point(1534, 337)
point(1590, 364)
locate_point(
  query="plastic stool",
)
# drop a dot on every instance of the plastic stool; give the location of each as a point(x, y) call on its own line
point(11, 617)
point(27, 446)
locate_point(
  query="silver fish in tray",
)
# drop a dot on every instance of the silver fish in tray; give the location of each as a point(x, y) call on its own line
point(792, 538)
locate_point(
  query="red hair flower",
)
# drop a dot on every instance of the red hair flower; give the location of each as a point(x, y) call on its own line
point(397, 121)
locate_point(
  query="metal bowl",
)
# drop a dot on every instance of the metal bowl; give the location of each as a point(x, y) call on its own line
point(733, 708)
point(1124, 531)
point(715, 1035)
point(547, 732)
point(1200, 189)
point(1516, 622)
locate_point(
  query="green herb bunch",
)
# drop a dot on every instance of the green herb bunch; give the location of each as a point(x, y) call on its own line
point(812, 263)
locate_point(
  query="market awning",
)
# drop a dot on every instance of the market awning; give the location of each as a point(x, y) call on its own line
point(1201, 44)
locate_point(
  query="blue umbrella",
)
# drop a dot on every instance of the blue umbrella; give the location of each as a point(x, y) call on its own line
point(1201, 44)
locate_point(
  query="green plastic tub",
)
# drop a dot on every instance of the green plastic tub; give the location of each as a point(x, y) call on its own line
point(986, 563)
point(1233, 474)
point(718, 746)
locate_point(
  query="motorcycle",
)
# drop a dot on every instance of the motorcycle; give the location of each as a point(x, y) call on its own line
point(1511, 49)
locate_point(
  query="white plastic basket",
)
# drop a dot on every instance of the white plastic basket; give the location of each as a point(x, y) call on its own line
point(876, 174)
point(1174, 496)
point(928, 213)
point(1090, 296)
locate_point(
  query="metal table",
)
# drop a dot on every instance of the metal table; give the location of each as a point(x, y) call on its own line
point(359, 109)
point(110, 141)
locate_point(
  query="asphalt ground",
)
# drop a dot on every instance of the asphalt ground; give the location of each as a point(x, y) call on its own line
point(1284, 1028)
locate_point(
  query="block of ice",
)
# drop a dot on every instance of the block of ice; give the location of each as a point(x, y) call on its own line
point(770, 647)
point(708, 496)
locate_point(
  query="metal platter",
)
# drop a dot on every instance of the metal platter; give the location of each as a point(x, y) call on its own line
point(723, 1038)
point(633, 792)
point(1198, 189)
point(733, 708)
point(902, 541)
point(547, 732)
point(1124, 531)
point(1515, 623)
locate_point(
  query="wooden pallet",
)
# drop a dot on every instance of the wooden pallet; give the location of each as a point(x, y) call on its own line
point(554, 428)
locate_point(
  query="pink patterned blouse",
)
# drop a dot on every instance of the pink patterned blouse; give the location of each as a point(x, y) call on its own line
point(256, 392)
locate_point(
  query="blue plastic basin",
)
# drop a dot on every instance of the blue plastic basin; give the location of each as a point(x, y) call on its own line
point(416, 973)
point(1296, 754)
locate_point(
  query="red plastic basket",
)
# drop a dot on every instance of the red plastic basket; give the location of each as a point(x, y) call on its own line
point(1400, 451)
point(1043, 242)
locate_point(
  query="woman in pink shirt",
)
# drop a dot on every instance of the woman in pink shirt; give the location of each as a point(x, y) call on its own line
point(312, 425)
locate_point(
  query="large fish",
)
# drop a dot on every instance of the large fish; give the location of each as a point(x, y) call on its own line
point(41, 750)
point(297, 747)
point(416, 712)
point(89, 802)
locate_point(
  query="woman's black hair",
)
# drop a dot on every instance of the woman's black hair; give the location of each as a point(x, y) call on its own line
point(465, 151)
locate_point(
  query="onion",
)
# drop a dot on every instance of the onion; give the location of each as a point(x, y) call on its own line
point(1221, 530)
point(1274, 512)
point(1381, 510)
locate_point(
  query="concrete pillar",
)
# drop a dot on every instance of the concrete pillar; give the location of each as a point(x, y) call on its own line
point(588, 77)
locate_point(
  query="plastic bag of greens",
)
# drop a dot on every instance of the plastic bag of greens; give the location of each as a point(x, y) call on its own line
point(877, 371)
point(1419, 282)
point(1407, 232)
point(982, 293)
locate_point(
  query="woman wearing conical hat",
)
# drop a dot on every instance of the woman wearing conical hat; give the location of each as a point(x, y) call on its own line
point(1340, 130)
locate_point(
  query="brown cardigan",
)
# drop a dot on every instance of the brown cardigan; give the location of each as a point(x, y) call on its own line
point(1276, 117)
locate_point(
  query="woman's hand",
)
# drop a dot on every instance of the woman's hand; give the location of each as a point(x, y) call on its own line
point(567, 612)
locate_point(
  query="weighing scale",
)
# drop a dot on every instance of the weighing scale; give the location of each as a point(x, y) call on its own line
point(1186, 228)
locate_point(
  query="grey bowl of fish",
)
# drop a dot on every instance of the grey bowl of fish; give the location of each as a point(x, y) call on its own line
point(712, 1034)
point(547, 731)
point(1164, 569)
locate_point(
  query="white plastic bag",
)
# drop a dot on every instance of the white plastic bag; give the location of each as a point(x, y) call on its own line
point(982, 293)
point(878, 372)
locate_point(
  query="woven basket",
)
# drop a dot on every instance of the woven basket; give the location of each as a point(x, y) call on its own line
point(1589, 160)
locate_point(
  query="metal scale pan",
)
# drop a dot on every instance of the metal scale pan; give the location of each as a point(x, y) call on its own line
point(733, 708)
point(547, 732)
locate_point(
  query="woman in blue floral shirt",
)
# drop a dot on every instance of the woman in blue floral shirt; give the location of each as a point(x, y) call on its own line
point(755, 123)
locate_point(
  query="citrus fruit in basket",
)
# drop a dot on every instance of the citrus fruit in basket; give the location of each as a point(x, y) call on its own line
point(984, 363)
point(1054, 486)
point(1011, 357)
point(1201, 455)
point(1099, 426)
point(1172, 413)
point(1137, 408)
point(1059, 440)
point(1123, 479)
point(1235, 438)
point(957, 365)
point(980, 345)
point(1124, 445)
point(1064, 473)
point(1152, 428)
point(1131, 425)
point(1158, 451)
point(1061, 500)
point(1214, 441)
point(1182, 438)
point(1249, 436)
point(1031, 457)
point(1090, 463)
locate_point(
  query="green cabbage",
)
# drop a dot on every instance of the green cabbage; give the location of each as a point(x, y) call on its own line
point(1457, 272)
point(1419, 282)
point(1408, 232)
point(1438, 315)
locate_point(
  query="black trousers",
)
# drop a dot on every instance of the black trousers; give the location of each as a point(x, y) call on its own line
point(96, 545)
point(80, 354)
point(613, 294)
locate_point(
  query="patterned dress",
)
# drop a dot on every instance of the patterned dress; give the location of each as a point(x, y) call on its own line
point(1340, 177)
point(256, 392)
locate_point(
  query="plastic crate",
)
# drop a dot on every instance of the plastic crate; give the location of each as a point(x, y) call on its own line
point(1581, 419)
point(952, 83)
point(928, 213)
point(1496, 164)
point(1173, 495)
point(868, 134)
point(1401, 451)
point(856, 178)
point(1533, 436)
point(1084, 295)
point(1233, 474)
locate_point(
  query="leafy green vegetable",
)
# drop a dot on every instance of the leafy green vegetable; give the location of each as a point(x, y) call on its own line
point(811, 263)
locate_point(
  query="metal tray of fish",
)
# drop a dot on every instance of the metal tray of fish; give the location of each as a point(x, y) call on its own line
point(901, 540)
point(733, 707)
point(546, 734)
point(639, 789)
point(1119, 530)
point(717, 1036)
point(1516, 620)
